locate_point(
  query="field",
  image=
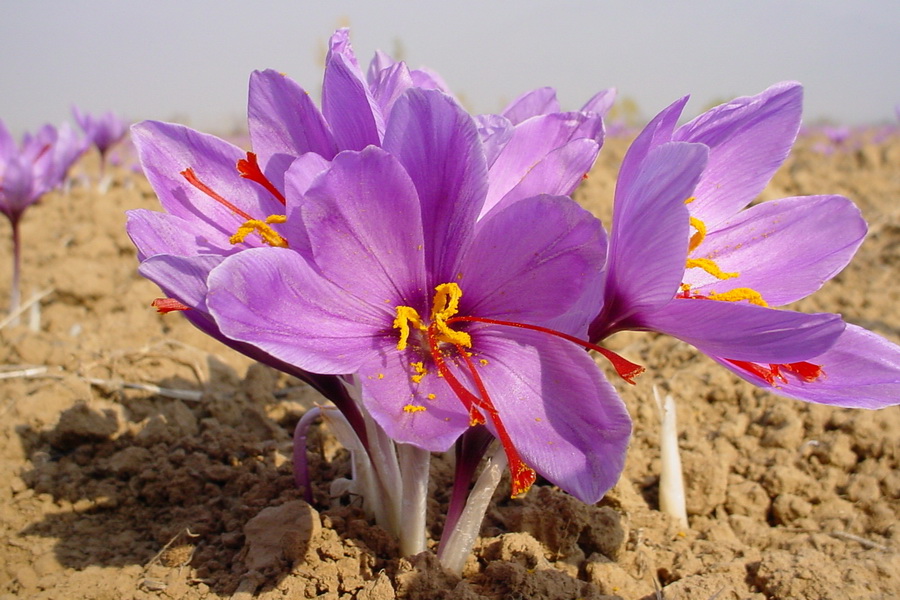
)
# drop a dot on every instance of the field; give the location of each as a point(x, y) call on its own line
point(141, 459)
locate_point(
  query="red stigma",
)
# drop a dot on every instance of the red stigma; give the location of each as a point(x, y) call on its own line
point(522, 476)
point(626, 369)
point(195, 181)
point(248, 168)
point(167, 305)
point(805, 371)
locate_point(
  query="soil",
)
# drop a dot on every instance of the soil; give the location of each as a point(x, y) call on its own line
point(140, 459)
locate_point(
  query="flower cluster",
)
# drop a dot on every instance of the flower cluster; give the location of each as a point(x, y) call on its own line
point(427, 271)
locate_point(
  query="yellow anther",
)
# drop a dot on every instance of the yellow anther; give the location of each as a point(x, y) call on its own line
point(738, 294)
point(421, 371)
point(405, 316)
point(264, 229)
point(710, 267)
point(698, 237)
point(689, 200)
point(483, 362)
point(412, 408)
point(445, 306)
point(431, 396)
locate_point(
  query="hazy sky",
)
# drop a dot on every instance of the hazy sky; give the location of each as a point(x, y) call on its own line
point(190, 60)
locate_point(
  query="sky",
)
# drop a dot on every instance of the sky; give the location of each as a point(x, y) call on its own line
point(189, 61)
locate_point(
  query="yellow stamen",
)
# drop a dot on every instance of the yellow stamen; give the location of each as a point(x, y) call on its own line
point(738, 294)
point(264, 229)
point(405, 316)
point(710, 267)
point(691, 199)
point(421, 371)
point(412, 408)
point(431, 396)
point(445, 306)
point(698, 237)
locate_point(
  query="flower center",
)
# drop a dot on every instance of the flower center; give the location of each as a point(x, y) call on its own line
point(444, 344)
point(248, 168)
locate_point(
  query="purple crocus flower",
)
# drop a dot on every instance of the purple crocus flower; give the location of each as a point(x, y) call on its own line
point(103, 131)
point(707, 272)
point(444, 318)
point(220, 200)
point(27, 172)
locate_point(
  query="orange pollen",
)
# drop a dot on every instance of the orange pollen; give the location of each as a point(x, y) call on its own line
point(195, 181)
point(248, 168)
point(167, 305)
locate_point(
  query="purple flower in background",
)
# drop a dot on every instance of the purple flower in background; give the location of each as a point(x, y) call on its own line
point(103, 131)
point(708, 271)
point(27, 172)
point(442, 317)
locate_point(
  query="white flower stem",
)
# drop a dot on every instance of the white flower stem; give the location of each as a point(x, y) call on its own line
point(671, 479)
point(414, 465)
point(454, 553)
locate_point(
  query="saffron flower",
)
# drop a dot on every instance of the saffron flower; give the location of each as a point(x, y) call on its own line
point(27, 172)
point(103, 131)
point(221, 202)
point(444, 318)
point(708, 271)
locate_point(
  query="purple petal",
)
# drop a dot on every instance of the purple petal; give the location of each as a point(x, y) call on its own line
point(364, 225)
point(389, 85)
point(531, 262)
point(282, 118)
point(437, 143)
point(273, 299)
point(540, 101)
point(346, 102)
point(557, 174)
point(161, 233)
point(648, 242)
point(182, 277)
point(165, 150)
point(601, 102)
point(748, 138)
point(8, 145)
point(564, 418)
point(861, 370)
point(740, 331)
point(388, 388)
point(531, 142)
point(495, 132)
point(784, 249)
point(298, 179)
point(658, 131)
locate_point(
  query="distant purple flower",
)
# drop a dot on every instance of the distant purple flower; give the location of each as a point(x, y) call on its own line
point(693, 264)
point(395, 281)
point(27, 172)
point(103, 131)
